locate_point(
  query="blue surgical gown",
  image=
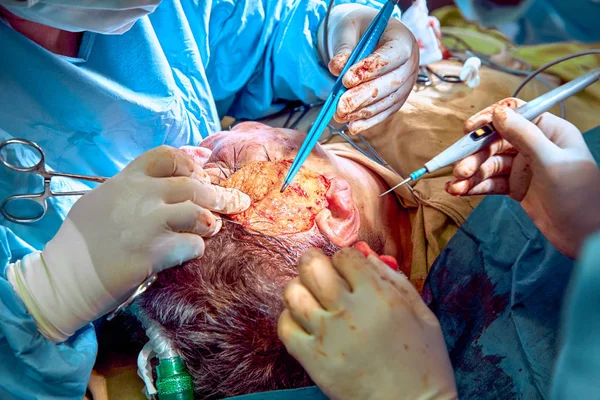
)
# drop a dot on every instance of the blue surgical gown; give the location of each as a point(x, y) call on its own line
point(501, 293)
point(166, 81)
point(538, 21)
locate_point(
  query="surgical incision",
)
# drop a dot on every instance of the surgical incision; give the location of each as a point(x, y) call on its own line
point(276, 213)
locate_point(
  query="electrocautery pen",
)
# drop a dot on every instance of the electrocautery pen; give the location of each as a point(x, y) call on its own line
point(484, 136)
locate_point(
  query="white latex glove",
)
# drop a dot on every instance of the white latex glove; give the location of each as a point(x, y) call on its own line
point(361, 330)
point(149, 217)
point(381, 82)
point(544, 164)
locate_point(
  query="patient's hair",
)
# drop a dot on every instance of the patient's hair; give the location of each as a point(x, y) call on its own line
point(221, 312)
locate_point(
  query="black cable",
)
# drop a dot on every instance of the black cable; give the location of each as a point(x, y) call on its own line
point(551, 64)
point(326, 31)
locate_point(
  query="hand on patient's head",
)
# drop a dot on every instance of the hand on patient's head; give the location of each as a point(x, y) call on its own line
point(221, 310)
point(361, 330)
point(255, 158)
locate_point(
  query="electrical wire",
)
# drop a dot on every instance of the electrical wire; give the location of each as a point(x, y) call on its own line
point(513, 71)
point(551, 64)
point(529, 75)
point(326, 30)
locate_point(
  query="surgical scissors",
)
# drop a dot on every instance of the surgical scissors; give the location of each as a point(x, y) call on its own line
point(39, 168)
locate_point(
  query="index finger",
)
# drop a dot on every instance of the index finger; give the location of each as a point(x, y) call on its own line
point(485, 116)
point(206, 195)
point(224, 200)
point(165, 161)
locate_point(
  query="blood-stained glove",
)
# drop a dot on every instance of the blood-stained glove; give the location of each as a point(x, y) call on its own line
point(545, 164)
point(381, 82)
point(361, 330)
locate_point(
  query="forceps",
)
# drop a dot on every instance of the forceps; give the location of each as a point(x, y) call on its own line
point(330, 131)
point(366, 45)
point(38, 168)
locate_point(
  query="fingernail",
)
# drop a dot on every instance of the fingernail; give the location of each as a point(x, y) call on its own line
point(451, 189)
point(351, 79)
point(357, 127)
point(218, 224)
point(245, 201)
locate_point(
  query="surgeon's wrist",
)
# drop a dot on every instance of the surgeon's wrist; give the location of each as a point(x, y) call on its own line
point(16, 276)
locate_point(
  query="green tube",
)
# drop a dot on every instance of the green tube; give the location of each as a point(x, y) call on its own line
point(173, 380)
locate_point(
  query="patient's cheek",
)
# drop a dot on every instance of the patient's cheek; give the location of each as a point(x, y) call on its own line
point(275, 213)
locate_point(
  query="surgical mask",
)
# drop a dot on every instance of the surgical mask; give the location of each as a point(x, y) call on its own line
point(101, 16)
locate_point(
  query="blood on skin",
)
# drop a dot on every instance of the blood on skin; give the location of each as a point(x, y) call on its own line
point(367, 251)
point(275, 213)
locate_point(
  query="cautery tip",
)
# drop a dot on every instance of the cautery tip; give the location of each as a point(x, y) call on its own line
point(285, 185)
point(396, 187)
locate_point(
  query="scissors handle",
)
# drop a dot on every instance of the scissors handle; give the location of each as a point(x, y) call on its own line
point(41, 199)
point(40, 166)
point(38, 198)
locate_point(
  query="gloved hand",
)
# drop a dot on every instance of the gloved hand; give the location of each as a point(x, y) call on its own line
point(381, 82)
point(150, 216)
point(361, 331)
point(544, 164)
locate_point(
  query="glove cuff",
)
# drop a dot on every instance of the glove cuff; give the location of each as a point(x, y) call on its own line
point(16, 274)
point(60, 286)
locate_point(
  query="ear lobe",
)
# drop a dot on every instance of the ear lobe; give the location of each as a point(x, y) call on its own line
point(340, 221)
point(199, 154)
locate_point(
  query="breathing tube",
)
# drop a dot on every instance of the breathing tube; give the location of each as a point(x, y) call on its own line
point(173, 381)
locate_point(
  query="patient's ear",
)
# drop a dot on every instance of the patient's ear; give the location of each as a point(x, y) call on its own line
point(198, 153)
point(340, 221)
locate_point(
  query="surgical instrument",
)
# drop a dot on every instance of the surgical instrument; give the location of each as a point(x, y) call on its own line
point(365, 46)
point(330, 131)
point(39, 168)
point(424, 77)
point(485, 135)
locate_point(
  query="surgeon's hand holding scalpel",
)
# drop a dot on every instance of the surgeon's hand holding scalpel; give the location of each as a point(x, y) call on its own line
point(380, 83)
point(150, 216)
point(545, 164)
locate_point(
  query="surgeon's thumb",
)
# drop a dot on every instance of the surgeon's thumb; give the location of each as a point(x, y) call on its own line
point(524, 135)
point(344, 39)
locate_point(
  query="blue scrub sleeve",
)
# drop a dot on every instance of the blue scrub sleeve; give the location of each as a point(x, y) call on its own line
point(32, 367)
point(577, 371)
point(265, 53)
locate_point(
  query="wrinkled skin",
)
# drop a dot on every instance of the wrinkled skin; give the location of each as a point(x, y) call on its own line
point(353, 210)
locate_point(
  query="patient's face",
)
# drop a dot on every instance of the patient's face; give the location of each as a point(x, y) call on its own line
point(255, 159)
